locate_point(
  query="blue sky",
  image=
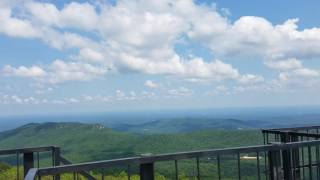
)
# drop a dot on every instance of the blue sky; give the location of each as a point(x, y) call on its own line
point(96, 56)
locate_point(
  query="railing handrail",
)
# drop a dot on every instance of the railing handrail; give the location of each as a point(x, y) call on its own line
point(292, 133)
point(83, 173)
point(26, 150)
point(167, 157)
point(293, 128)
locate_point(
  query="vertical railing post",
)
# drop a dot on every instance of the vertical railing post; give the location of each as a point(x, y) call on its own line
point(295, 159)
point(27, 162)
point(147, 171)
point(56, 160)
point(274, 165)
point(286, 157)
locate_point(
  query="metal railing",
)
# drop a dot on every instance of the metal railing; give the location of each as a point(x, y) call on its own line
point(28, 157)
point(300, 158)
point(294, 133)
point(287, 153)
point(31, 158)
point(275, 164)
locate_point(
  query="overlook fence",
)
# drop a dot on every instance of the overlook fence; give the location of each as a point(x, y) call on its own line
point(302, 163)
point(27, 156)
point(272, 168)
point(287, 153)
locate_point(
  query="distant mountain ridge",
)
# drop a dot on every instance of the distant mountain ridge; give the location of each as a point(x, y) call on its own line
point(260, 117)
point(189, 125)
point(86, 142)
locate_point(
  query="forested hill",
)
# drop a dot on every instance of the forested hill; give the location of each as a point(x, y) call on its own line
point(190, 125)
point(84, 142)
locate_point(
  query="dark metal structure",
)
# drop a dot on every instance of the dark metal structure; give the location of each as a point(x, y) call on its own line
point(300, 163)
point(287, 153)
point(30, 158)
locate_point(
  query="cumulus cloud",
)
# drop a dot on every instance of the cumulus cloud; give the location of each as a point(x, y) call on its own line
point(256, 36)
point(91, 55)
point(15, 27)
point(195, 68)
point(284, 65)
point(220, 89)
point(44, 90)
point(181, 91)
point(18, 19)
point(72, 15)
point(293, 73)
point(150, 28)
point(66, 40)
point(146, 48)
point(22, 71)
point(120, 95)
point(151, 84)
point(16, 99)
point(140, 36)
point(61, 71)
point(299, 74)
point(250, 79)
point(57, 72)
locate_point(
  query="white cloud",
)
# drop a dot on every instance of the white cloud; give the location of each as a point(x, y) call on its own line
point(195, 68)
point(72, 100)
point(140, 36)
point(120, 95)
point(146, 48)
point(302, 75)
point(284, 65)
point(16, 99)
point(150, 29)
point(90, 55)
point(145, 28)
point(57, 72)
point(250, 79)
point(304, 72)
point(151, 84)
point(80, 15)
point(15, 27)
point(221, 89)
point(148, 95)
point(22, 71)
point(256, 36)
point(61, 71)
point(66, 40)
point(73, 15)
point(31, 100)
point(88, 98)
point(293, 74)
point(181, 91)
point(44, 90)
point(27, 19)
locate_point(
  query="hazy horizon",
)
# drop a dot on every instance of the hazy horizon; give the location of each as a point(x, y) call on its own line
point(298, 115)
